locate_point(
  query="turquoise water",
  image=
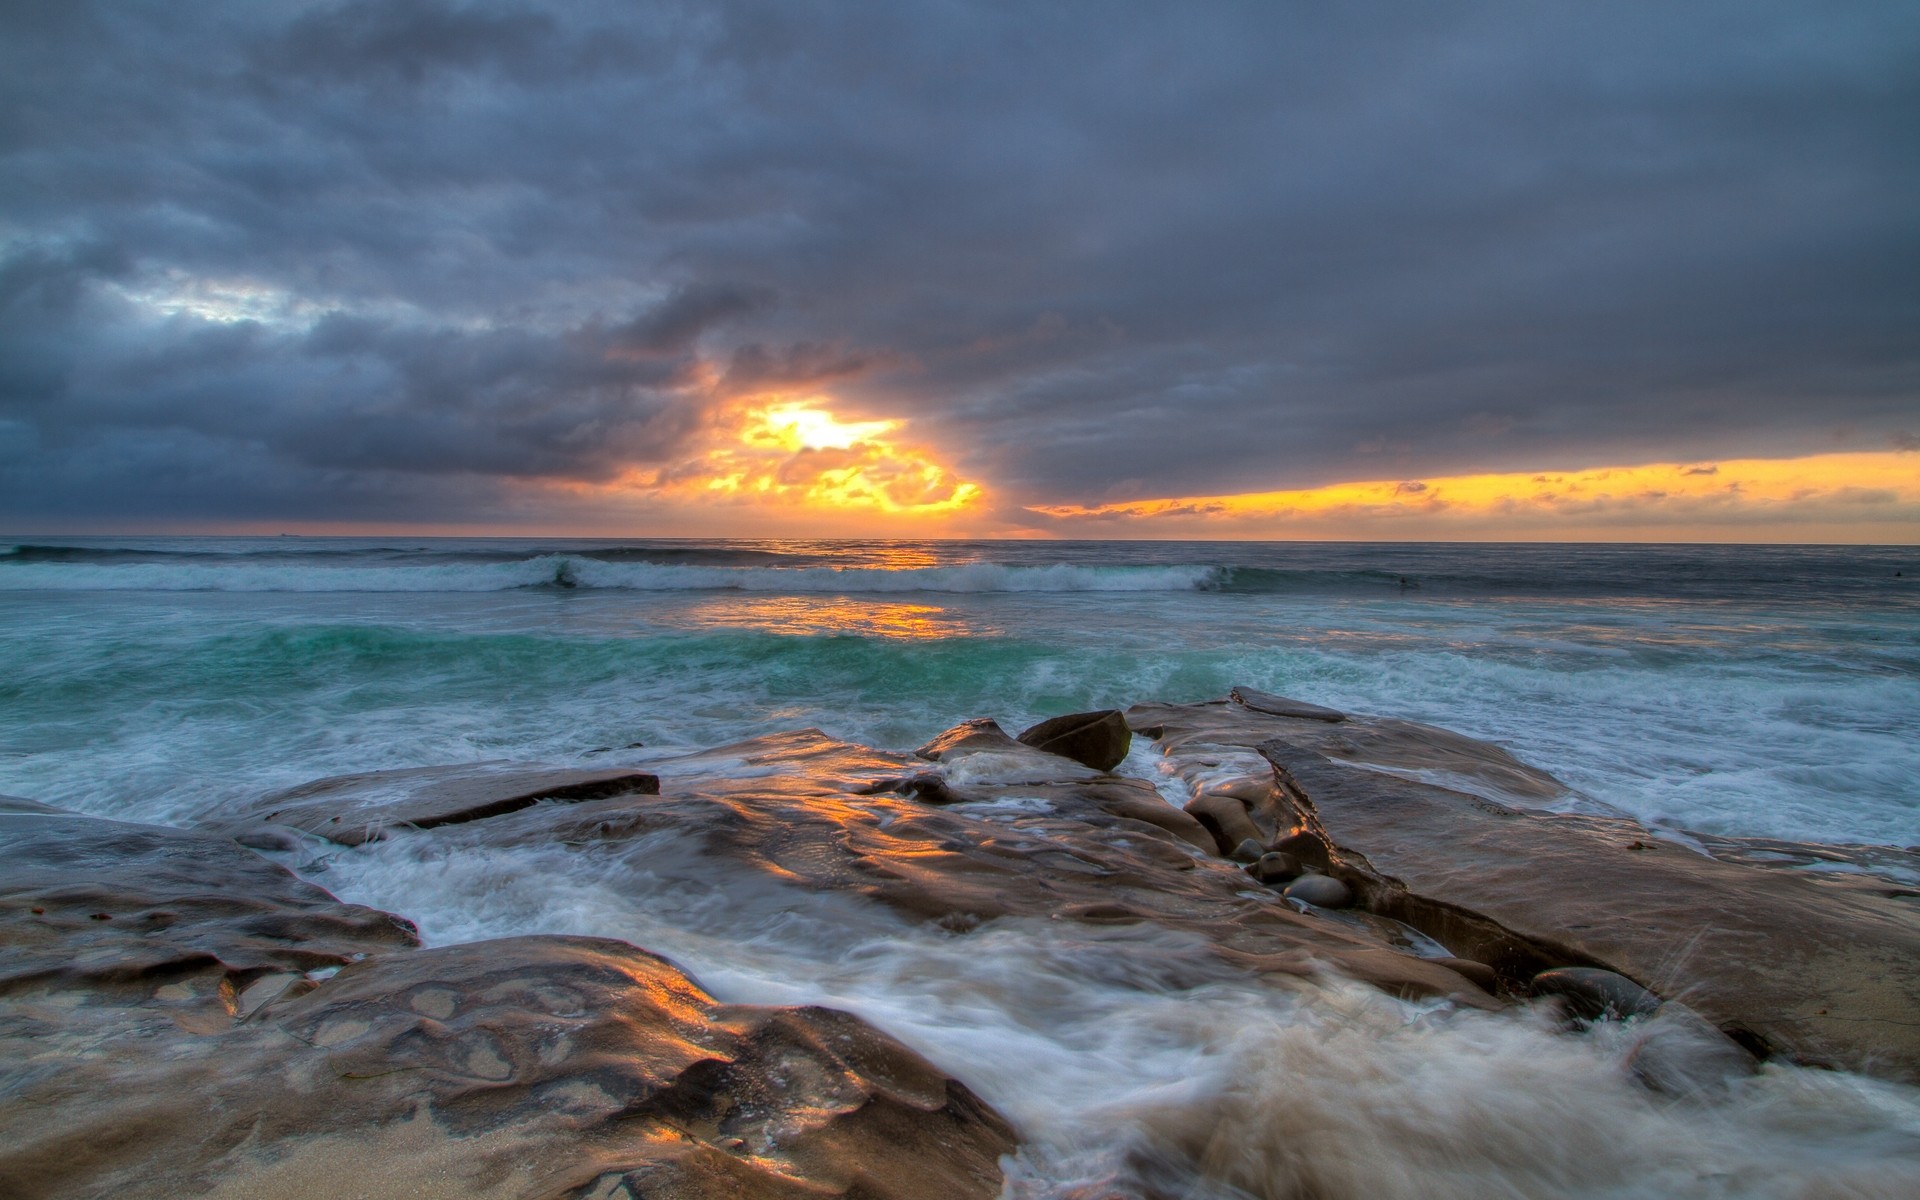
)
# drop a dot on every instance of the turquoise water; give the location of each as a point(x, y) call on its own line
point(1738, 690)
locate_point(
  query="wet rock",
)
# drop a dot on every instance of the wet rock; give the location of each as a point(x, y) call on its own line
point(1275, 867)
point(114, 909)
point(1097, 739)
point(1248, 851)
point(352, 809)
point(1321, 891)
point(1309, 848)
point(1679, 1053)
point(1480, 973)
point(1282, 706)
point(232, 1031)
point(1097, 848)
point(1821, 966)
point(981, 733)
point(1475, 766)
point(1226, 819)
point(1595, 995)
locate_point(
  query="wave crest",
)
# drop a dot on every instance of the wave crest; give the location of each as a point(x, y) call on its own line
point(578, 571)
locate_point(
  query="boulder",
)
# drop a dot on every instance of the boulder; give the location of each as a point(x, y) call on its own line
point(1595, 995)
point(352, 809)
point(1097, 739)
point(1321, 891)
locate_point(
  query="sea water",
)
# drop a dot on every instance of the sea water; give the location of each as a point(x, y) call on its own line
point(1742, 691)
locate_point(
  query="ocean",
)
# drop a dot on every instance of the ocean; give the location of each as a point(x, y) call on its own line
point(1743, 691)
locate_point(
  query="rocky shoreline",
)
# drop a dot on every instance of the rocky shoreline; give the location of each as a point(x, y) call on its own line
point(182, 1015)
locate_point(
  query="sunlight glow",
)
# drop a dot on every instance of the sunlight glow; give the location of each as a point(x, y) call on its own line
point(1875, 490)
point(782, 452)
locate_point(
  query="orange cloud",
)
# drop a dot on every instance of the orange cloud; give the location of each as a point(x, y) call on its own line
point(793, 455)
point(1848, 497)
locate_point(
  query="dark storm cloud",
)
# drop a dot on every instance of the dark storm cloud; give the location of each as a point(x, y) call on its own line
point(375, 258)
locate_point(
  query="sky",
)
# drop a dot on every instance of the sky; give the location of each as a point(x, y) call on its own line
point(1643, 271)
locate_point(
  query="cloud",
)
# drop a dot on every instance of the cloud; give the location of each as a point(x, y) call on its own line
point(322, 258)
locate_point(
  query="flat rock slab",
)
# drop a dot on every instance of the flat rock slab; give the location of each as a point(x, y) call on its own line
point(112, 907)
point(1063, 844)
point(1284, 706)
point(1428, 752)
point(180, 1017)
point(352, 809)
point(1826, 970)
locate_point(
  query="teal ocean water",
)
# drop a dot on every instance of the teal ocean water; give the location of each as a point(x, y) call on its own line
point(1760, 691)
point(1767, 691)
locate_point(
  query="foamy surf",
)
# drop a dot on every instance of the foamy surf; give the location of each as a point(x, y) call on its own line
point(1134, 1064)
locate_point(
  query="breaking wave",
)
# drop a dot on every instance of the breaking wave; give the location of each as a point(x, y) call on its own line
point(42, 573)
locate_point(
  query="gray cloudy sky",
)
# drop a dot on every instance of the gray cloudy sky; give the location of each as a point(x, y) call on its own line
point(400, 259)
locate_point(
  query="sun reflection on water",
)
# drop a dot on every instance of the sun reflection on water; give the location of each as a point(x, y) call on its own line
point(831, 615)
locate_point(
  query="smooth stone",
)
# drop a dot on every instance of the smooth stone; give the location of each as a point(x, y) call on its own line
point(1248, 851)
point(1284, 706)
point(1680, 1053)
point(1593, 994)
point(1275, 866)
point(1321, 891)
point(1096, 739)
point(1226, 819)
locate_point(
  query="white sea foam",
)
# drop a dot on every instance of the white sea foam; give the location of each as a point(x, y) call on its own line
point(1122, 1052)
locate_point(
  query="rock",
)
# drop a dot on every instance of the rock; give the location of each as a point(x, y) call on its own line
point(1097, 849)
point(196, 1043)
point(1275, 867)
point(1282, 706)
point(1440, 755)
point(981, 733)
point(105, 908)
point(1321, 891)
point(1821, 966)
point(1480, 973)
point(1248, 851)
point(1679, 1053)
point(352, 809)
point(1595, 995)
point(1309, 848)
point(1098, 739)
point(1226, 819)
